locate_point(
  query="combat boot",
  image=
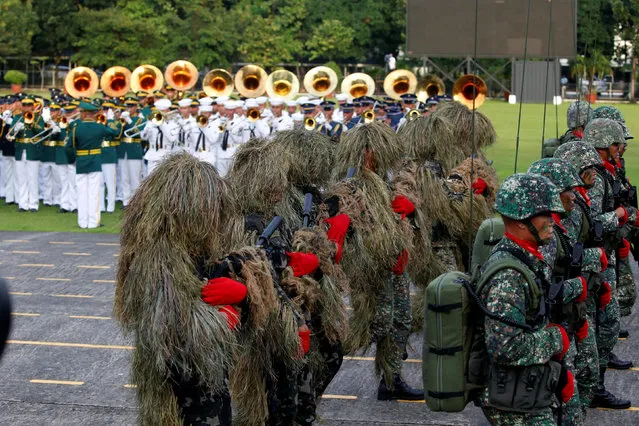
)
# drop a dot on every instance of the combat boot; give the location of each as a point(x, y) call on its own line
point(618, 364)
point(624, 334)
point(400, 391)
point(605, 399)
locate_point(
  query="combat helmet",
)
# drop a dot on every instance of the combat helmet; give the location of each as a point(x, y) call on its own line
point(524, 195)
point(578, 115)
point(612, 113)
point(602, 133)
point(560, 172)
point(580, 155)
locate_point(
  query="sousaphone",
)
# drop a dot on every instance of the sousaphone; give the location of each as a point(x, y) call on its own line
point(399, 82)
point(146, 78)
point(250, 81)
point(358, 84)
point(217, 82)
point(431, 85)
point(116, 81)
point(469, 87)
point(282, 84)
point(181, 75)
point(320, 81)
point(81, 82)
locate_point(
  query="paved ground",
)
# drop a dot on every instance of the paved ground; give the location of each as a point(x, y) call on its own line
point(67, 362)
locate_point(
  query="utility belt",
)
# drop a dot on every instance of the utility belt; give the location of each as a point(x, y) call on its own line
point(85, 152)
point(527, 389)
point(49, 143)
point(131, 140)
point(110, 144)
point(26, 140)
point(60, 143)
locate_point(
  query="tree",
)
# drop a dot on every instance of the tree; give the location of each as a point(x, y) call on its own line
point(626, 14)
point(17, 27)
point(596, 27)
point(591, 66)
point(330, 40)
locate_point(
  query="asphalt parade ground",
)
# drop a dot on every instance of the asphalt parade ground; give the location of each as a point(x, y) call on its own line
point(66, 361)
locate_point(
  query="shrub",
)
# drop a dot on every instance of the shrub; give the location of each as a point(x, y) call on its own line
point(15, 77)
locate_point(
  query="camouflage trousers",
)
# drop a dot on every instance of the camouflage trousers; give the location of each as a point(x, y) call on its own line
point(586, 364)
point(393, 308)
point(609, 321)
point(201, 407)
point(508, 418)
point(282, 390)
point(572, 412)
point(626, 287)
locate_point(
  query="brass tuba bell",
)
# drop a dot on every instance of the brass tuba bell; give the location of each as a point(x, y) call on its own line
point(116, 81)
point(431, 85)
point(320, 81)
point(181, 75)
point(399, 82)
point(217, 82)
point(469, 87)
point(282, 84)
point(146, 78)
point(358, 84)
point(250, 81)
point(81, 82)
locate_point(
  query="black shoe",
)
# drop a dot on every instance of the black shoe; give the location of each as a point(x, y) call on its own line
point(22, 210)
point(33, 210)
point(605, 399)
point(400, 391)
point(624, 334)
point(74, 211)
point(63, 211)
point(617, 363)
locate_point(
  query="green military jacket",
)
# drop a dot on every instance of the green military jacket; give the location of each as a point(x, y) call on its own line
point(47, 155)
point(61, 157)
point(24, 139)
point(132, 147)
point(110, 144)
point(84, 142)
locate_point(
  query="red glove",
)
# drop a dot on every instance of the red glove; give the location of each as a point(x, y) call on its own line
point(636, 222)
point(584, 290)
point(565, 342)
point(401, 263)
point(223, 291)
point(302, 263)
point(480, 186)
point(582, 332)
point(604, 295)
point(403, 206)
point(603, 259)
point(565, 385)
point(337, 232)
point(305, 340)
point(624, 250)
point(624, 219)
point(232, 316)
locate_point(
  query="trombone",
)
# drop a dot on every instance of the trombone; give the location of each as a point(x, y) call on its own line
point(43, 135)
point(320, 81)
point(27, 118)
point(134, 131)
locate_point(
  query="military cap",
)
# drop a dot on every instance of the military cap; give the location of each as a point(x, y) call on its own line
point(157, 94)
point(524, 195)
point(445, 98)
point(3, 101)
point(307, 108)
point(579, 154)
point(195, 102)
point(614, 114)
point(69, 107)
point(141, 94)
point(54, 106)
point(366, 100)
point(602, 133)
point(347, 107)
point(433, 100)
point(560, 172)
point(578, 115)
point(88, 106)
point(168, 87)
point(409, 98)
point(27, 101)
point(108, 104)
point(130, 101)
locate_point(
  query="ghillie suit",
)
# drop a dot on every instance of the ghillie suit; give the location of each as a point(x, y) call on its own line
point(178, 219)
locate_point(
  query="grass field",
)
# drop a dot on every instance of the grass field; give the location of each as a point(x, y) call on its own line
point(503, 116)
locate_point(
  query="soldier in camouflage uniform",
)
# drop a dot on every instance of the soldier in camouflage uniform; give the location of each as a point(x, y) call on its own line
point(525, 202)
point(578, 115)
point(606, 136)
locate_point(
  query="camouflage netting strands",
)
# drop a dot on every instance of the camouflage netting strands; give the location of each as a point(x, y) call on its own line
point(613, 114)
point(177, 218)
point(602, 133)
point(313, 154)
point(560, 173)
point(430, 139)
point(578, 115)
point(375, 141)
point(461, 119)
point(524, 195)
point(580, 155)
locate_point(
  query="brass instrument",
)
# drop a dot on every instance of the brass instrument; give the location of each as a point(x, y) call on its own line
point(146, 78)
point(28, 117)
point(101, 118)
point(250, 81)
point(431, 85)
point(116, 81)
point(253, 115)
point(469, 87)
point(368, 116)
point(202, 121)
point(309, 123)
point(282, 84)
point(413, 114)
point(358, 84)
point(63, 123)
point(217, 82)
point(135, 130)
point(81, 82)
point(399, 82)
point(181, 75)
point(45, 134)
point(158, 118)
point(320, 81)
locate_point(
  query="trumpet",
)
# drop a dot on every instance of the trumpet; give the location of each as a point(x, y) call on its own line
point(413, 114)
point(158, 118)
point(253, 115)
point(101, 118)
point(368, 116)
point(309, 123)
point(202, 121)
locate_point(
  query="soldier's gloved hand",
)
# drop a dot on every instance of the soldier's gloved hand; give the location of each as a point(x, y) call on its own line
point(584, 290)
point(480, 186)
point(110, 115)
point(232, 316)
point(223, 291)
point(403, 206)
point(604, 295)
point(624, 249)
point(7, 117)
point(565, 341)
point(304, 334)
point(603, 259)
point(622, 215)
point(126, 117)
point(18, 126)
point(582, 332)
point(401, 263)
point(566, 385)
point(302, 263)
point(337, 232)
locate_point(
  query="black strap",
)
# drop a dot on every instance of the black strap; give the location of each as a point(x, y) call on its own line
point(225, 140)
point(159, 140)
point(445, 395)
point(200, 139)
point(444, 308)
point(446, 351)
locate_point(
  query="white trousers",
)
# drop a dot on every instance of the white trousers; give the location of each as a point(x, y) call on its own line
point(68, 196)
point(88, 185)
point(46, 182)
point(108, 183)
point(2, 194)
point(118, 181)
point(9, 177)
point(131, 177)
point(27, 178)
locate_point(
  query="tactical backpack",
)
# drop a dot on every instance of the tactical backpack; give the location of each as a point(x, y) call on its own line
point(549, 146)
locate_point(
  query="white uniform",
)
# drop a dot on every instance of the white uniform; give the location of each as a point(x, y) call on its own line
point(185, 127)
point(282, 123)
point(160, 143)
point(204, 140)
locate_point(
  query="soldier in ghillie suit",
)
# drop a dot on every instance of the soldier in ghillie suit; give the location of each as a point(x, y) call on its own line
point(177, 221)
point(578, 115)
point(376, 254)
point(524, 356)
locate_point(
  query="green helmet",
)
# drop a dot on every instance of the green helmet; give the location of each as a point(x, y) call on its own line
point(560, 173)
point(579, 113)
point(580, 155)
point(613, 114)
point(524, 195)
point(602, 133)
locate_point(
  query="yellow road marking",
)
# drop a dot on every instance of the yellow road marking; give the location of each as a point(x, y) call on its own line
point(53, 279)
point(42, 265)
point(421, 401)
point(611, 409)
point(9, 278)
point(24, 314)
point(116, 255)
point(69, 345)
point(89, 317)
point(56, 382)
point(107, 244)
point(76, 254)
point(370, 358)
point(61, 242)
point(104, 281)
point(14, 241)
point(18, 293)
point(622, 338)
point(634, 368)
point(327, 396)
point(76, 296)
point(94, 266)
point(131, 386)
point(24, 252)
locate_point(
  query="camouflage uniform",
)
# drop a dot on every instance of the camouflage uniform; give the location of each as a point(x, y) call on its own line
point(201, 407)
point(520, 197)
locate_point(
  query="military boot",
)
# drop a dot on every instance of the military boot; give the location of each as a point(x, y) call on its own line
point(618, 364)
point(400, 391)
point(605, 399)
point(624, 334)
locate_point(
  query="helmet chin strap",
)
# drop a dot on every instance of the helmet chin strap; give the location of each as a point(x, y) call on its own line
point(534, 232)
